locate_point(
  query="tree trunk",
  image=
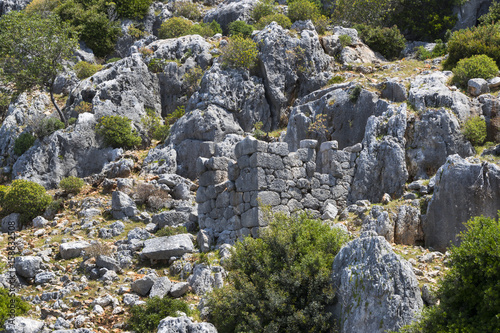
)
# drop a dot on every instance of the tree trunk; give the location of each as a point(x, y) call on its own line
point(61, 115)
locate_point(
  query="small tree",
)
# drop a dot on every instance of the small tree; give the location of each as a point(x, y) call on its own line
point(240, 52)
point(32, 49)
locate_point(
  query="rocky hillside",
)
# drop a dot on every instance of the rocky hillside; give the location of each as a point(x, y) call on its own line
point(320, 123)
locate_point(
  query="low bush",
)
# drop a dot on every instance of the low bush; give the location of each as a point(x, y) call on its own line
point(145, 318)
point(174, 27)
point(345, 40)
point(439, 50)
point(178, 113)
point(154, 127)
point(478, 66)
point(46, 126)
point(23, 143)
point(205, 29)
point(493, 14)
point(136, 31)
point(97, 249)
point(263, 8)
point(240, 28)
point(132, 8)
point(302, 10)
point(474, 130)
point(170, 231)
point(469, 292)
point(117, 132)
point(112, 60)
point(8, 302)
point(281, 281)
point(484, 39)
point(240, 52)
point(281, 19)
point(186, 9)
point(26, 198)
point(71, 184)
point(192, 77)
point(387, 41)
point(85, 69)
point(355, 93)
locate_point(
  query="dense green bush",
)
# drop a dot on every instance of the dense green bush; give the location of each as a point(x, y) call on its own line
point(154, 127)
point(26, 198)
point(171, 231)
point(174, 27)
point(478, 66)
point(174, 116)
point(387, 41)
point(23, 143)
point(301, 10)
point(281, 19)
point(90, 20)
point(281, 281)
point(263, 8)
point(132, 8)
point(20, 306)
point(474, 130)
point(117, 132)
point(372, 12)
point(187, 9)
point(240, 52)
point(85, 69)
point(469, 292)
point(439, 50)
point(46, 126)
point(240, 28)
point(484, 39)
point(493, 14)
point(71, 184)
point(205, 29)
point(145, 318)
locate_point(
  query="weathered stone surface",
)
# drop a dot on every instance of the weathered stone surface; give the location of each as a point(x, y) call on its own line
point(382, 160)
point(122, 206)
point(462, 190)
point(23, 325)
point(430, 91)
point(394, 91)
point(162, 248)
point(44, 277)
point(377, 290)
point(184, 325)
point(408, 226)
point(229, 11)
point(431, 139)
point(205, 278)
point(476, 87)
point(379, 221)
point(160, 287)
point(469, 12)
point(72, 249)
point(27, 266)
point(179, 289)
point(170, 219)
point(109, 263)
point(11, 223)
point(39, 222)
point(143, 286)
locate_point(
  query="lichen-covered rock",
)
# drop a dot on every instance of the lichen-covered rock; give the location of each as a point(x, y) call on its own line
point(205, 278)
point(10, 5)
point(408, 226)
point(229, 11)
point(463, 190)
point(379, 221)
point(377, 290)
point(23, 325)
point(122, 206)
point(72, 249)
point(184, 325)
point(469, 12)
point(27, 266)
point(431, 139)
point(163, 248)
point(382, 160)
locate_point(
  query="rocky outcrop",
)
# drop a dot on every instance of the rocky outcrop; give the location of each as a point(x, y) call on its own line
point(463, 190)
point(206, 278)
point(377, 290)
point(382, 160)
point(290, 66)
point(10, 5)
point(229, 11)
point(333, 114)
point(430, 91)
point(23, 325)
point(470, 12)
point(431, 138)
point(184, 325)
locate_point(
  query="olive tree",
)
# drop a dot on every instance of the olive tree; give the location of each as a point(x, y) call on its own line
point(32, 48)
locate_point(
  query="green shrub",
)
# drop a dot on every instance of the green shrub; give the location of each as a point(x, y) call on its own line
point(170, 231)
point(71, 184)
point(281, 19)
point(301, 10)
point(321, 24)
point(240, 52)
point(84, 69)
point(132, 8)
point(6, 301)
point(280, 282)
point(484, 39)
point(439, 50)
point(23, 143)
point(474, 130)
point(179, 112)
point(187, 9)
point(336, 79)
point(493, 14)
point(117, 132)
point(72, 121)
point(174, 27)
point(354, 94)
point(205, 29)
point(193, 77)
point(478, 66)
point(263, 8)
point(46, 126)
point(372, 12)
point(345, 40)
point(469, 292)
point(112, 60)
point(145, 318)
point(26, 198)
point(154, 127)
point(90, 20)
point(387, 41)
point(240, 28)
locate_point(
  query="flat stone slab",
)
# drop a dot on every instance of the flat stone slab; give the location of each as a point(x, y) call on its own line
point(162, 248)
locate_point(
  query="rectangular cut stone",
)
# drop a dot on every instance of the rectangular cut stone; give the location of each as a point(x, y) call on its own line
point(212, 178)
point(268, 161)
point(251, 179)
point(250, 218)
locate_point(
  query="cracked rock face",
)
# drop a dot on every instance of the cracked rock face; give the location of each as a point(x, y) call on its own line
point(377, 290)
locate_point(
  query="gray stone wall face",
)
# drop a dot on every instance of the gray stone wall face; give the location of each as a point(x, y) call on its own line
point(230, 191)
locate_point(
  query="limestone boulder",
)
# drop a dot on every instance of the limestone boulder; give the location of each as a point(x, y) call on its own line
point(163, 248)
